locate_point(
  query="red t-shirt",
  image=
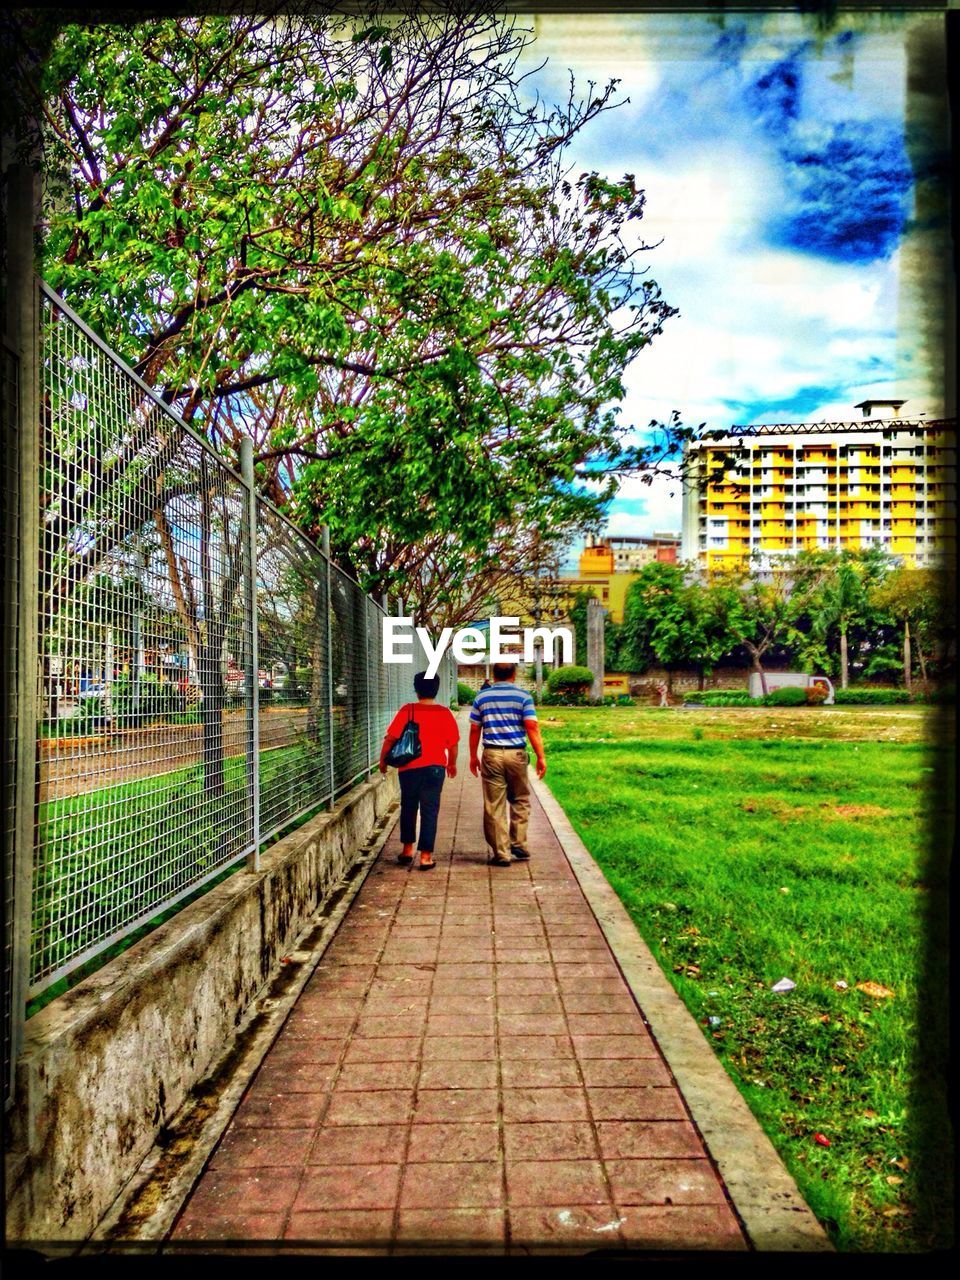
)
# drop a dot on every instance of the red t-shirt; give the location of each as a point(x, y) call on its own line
point(438, 731)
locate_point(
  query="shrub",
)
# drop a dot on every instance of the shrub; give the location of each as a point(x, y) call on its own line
point(564, 700)
point(942, 696)
point(870, 697)
point(465, 695)
point(789, 696)
point(570, 679)
point(722, 698)
point(816, 695)
point(624, 700)
point(90, 716)
point(153, 699)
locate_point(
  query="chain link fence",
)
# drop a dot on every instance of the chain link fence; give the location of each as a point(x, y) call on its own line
point(206, 675)
point(11, 598)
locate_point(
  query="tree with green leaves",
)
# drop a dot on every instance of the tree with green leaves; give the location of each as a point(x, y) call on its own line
point(660, 620)
point(757, 605)
point(914, 598)
point(833, 604)
point(709, 629)
point(349, 236)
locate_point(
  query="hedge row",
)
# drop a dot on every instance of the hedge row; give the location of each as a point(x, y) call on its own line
point(871, 697)
point(792, 696)
point(722, 698)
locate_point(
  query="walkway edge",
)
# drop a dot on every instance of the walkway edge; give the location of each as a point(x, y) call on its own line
point(764, 1195)
point(162, 1185)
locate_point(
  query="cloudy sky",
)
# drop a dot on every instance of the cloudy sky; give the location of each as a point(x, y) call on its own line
point(779, 184)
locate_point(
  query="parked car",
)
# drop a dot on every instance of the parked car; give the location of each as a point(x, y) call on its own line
point(93, 688)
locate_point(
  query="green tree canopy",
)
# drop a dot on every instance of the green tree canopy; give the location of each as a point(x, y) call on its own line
point(352, 238)
point(917, 600)
point(833, 613)
point(661, 621)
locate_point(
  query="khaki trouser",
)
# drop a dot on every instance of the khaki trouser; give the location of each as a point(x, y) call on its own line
point(502, 768)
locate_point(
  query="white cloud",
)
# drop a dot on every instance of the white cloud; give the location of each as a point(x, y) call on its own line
point(662, 498)
point(599, 47)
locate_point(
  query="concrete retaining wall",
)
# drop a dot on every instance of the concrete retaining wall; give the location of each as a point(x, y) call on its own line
point(107, 1064)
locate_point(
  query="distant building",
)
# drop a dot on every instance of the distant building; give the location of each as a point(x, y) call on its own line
point(630, 555)
point(776, 490)
point(607, 567)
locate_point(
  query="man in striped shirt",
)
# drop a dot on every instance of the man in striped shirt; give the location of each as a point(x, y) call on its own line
point(506, 717)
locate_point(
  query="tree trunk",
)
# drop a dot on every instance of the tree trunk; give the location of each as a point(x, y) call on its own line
point(844, 666)
point(906, 653)
point(318, 683)
point(755, 666)
point(211, 714)
point(346, 643)
point(923, 663)
point(702, 681)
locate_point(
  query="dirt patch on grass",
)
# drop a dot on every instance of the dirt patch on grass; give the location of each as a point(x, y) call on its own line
point(859, 811)
point(774, 807)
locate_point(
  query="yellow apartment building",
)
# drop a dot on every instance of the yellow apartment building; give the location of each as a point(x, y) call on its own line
point(797, 486)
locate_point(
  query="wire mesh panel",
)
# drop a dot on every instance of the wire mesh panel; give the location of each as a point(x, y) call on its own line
point(11, 601)
point(142, 787)
point(349, 678)
point(293, 677)
point(205, 675)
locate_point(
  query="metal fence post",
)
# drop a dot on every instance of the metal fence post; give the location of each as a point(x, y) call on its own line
point(326, 553)
point(22, 324)
point(366, 672)
point(252, 673)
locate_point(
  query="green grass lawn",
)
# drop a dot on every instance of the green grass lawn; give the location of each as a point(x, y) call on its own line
point(752, 845)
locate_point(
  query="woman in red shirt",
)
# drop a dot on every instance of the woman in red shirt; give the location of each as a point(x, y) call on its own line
point(421, 781)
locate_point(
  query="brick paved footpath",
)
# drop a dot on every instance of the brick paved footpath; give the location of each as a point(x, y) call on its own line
point(467, 1068)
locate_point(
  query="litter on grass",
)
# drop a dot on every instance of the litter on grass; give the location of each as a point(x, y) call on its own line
point(876, 990)
point(783, 985)
point(841, 985)
point(820, 1140)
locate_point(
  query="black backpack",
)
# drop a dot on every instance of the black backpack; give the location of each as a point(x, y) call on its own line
point(407, 747)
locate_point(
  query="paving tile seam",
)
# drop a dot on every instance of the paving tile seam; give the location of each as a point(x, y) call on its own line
point(591, 1119)
point(317, 1127)
point(395, 1222)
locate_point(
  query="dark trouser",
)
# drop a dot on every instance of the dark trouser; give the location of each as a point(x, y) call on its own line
point(420, 789)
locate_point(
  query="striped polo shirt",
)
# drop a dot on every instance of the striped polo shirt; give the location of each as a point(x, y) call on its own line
point(501, 710)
